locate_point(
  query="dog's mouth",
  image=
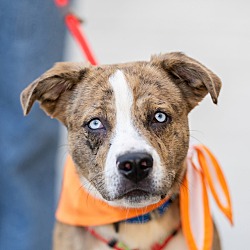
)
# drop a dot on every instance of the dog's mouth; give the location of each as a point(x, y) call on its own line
point(135, 194)
point(138, 198)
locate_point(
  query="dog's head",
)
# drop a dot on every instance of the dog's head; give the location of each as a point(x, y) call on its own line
point(127, 124)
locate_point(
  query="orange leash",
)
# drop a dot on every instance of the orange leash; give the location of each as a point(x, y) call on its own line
point(73, 24)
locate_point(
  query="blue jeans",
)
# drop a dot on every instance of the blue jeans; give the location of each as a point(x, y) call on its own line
point(31, 40)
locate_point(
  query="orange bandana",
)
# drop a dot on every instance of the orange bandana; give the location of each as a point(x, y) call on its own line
point(77, 207)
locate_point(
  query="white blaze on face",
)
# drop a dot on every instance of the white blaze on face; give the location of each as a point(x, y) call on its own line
point(126, 138)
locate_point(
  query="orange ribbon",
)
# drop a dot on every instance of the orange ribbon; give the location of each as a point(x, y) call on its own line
point(203, 171)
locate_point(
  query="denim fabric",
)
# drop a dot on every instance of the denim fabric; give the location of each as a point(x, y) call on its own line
point(31, 40)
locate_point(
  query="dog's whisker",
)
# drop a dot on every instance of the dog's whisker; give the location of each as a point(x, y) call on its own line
point(196, 139)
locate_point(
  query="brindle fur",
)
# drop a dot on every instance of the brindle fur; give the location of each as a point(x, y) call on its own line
point(75, 93)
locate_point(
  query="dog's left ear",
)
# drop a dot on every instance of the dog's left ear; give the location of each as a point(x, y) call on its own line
point(54, 87)
point(193, 78)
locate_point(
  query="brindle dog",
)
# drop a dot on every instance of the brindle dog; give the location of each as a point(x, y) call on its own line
point(122, 110)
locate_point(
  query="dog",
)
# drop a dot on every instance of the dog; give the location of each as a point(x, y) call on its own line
point(128, 136)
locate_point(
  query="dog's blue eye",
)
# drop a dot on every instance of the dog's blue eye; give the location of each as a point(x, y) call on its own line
point(95, 124)
point(160, 117)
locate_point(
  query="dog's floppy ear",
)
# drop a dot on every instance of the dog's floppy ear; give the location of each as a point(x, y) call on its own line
point(52, 85)
point(193, 78)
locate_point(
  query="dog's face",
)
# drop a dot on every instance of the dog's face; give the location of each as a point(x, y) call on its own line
point(127, 123)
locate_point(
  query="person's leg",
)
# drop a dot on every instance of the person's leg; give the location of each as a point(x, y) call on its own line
point(31, 40)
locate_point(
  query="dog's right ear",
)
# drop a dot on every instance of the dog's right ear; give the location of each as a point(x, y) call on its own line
point(193, 79)
point(52, 86)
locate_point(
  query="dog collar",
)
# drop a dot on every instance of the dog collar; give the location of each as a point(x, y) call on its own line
point(144, 218)
point(148, 216)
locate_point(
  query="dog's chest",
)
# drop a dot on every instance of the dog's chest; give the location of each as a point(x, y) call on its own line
point(143, 240)
point(144, 236)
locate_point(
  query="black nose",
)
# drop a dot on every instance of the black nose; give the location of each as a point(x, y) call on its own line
point(135, 166)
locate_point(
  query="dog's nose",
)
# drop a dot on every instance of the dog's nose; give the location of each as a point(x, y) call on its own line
point(135, 166)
